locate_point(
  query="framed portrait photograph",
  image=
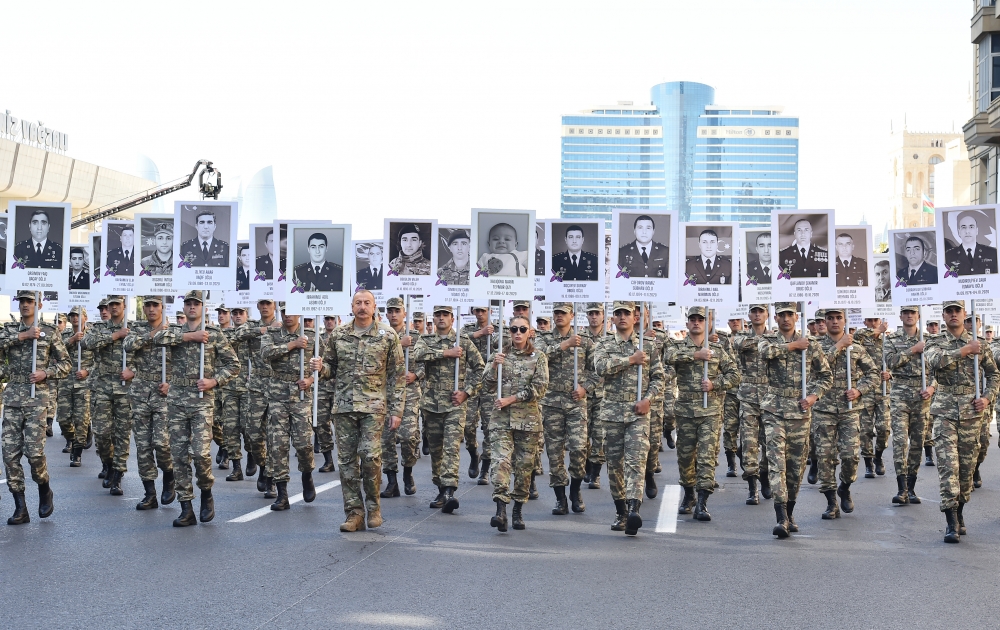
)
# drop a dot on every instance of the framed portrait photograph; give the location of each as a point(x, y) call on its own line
point(369, 267)
point(96, 265)
point(155, 247)
point(541, 259)
point(575, 269)
point(264, 254)
point(757, 261)
point(204, 245)
point(120, 251)
point(79, 276)
point(411, 247)
point(39, 260)
point(282, 273)
point(805, 242)
point(645, 267)
point(882, 281)
point(914, 257)
point(854, 267)
point(244, 271)
point(711, 259)
point(320, 268)
point(968, 238)
point(503, 244)
point(3, 251)
point(453, 265)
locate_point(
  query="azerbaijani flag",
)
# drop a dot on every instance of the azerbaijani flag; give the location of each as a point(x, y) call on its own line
point(928, 204)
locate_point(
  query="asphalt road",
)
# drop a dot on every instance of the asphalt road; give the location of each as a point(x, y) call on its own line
point(99, 562)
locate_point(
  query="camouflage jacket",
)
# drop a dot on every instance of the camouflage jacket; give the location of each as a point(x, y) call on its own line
point(865, 376)
point(86, 360)
point(368, 368)
point(413, 265)
point(598, 392)
point(452, 275)
point(784, 375)
point(286, 365)
point(487, 344)
point(107, 354)
point(560, 366)
point(874, 345)
point(414, 390)
point(726, 340)
point(621, 380)
point(146, 359)
point(722, 372)
point(753, 366)
point(329, 386)
point(956, 384)
point(439, 382)
point(250, 333)
point(184, 359)
point(241, 347)
point(660, 344)
point(527, 377)
point(905, 367)
point(50, 355)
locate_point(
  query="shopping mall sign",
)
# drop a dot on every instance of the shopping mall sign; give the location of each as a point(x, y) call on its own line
point(23, 130)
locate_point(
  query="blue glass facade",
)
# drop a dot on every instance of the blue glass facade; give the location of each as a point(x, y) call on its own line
point(680, 103)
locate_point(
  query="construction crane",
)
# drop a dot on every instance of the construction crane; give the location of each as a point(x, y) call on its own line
point(209, 185)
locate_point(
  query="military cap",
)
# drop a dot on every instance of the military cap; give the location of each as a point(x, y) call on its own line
point(697, 310)
point(835, 309)
point(595, 306)
point(480, 307)
point(157, 299)
point(238, 308)
point(394, 302)
point(418, 316)
point(193, 295)
point(163, 227)
point(281, 306)
point(78, 310)
point(760, 306)
point(820, 314)
point(958, 303)
point(265, 299)
point(116, 298)
point(103, 303)
point(26, 295)
point(524, 303)
point(180, 314)
point(543, 318)
point(785, 307)
point(623, 305)
point(564, 307)
point(989, 329)
point(909, 307)
point(443, 309)
point(222, 308)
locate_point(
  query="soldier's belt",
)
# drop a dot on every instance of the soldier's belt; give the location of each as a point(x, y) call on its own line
point(786, 392)
point(183, 382)
point(620, 397)
point(560, 388)
point(955, 390)
point(444, 387)
point(754, 380)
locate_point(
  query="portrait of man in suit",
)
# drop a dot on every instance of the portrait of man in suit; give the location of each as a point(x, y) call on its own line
point(79, 275)
point(969, 257)
point(917, 270)
point(851, 270)
point(121, 260)
point(644, 257)
point(205, 250)
point(369, 274)
point(39, 251)
point(574, 264)
point(883, 284)
point(709, 266)
point(243, 267)
point(318, 274)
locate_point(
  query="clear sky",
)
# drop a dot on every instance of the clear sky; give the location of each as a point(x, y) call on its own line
point(427, 109)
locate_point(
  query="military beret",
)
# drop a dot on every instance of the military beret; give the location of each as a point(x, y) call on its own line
point(394, 302)
point(785, 307)
point(443, 309)
point(563, 307)
point(595, 306)
point(120, 299)
point(26, 295)
point(959, 303)
point(157, 299)
point(222, 308)
point(457, 234)
point(623, 305)
point(696, 310)
point(524, 303)
point(193, 295)
point(163, 227)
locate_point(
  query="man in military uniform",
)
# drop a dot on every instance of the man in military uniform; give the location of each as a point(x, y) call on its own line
point(409, 429)
point(191, 401)
point(575, 264)
point(148, 398)
point(731, 407)
point(205, 250)
point(74, 399)
point(25, 399)
point(289, 411)
point(786, 413)
point(543, 323)
point(418, 322)
point(933, 328)
point(112, 413)
point(803, 258)
point(442, 405)
point(874, 406)
point(957, 412)
point(225, 321)
point(319, 274)
point(265, 262)
point(883, 286)
point(235, 405)
point(660, 341)
point(753, 382)
point(455, 272)
point(367, 362)
point(242, 267)
point(760, 268)
point(161, 261)
point(644, 257)
point(917, 270)
point(699, 407)
point(835, 416)
point(481, 332)
point(910, 402)
point(851, 270)
point(324, 406)
point(595, 431)
point(709, 267)
point(570, 360)
point(79, 278)
point(121, 260)
point(968, 257)
point(624, 414)
point(38, 252)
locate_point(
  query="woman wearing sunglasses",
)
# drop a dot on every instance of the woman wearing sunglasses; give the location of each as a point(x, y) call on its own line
point(516, 425)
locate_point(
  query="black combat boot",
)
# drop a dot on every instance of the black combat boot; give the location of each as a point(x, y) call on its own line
point(425, 447)
point(928, 455)
point(271, 492)
point(687, 503)
point(20, 516)
point(45, 505)
point(116, 483)
point(651, 488)
point(730, 463)
point(951, 531)
point(765, 484)
point(500, 519)
point(315, 443)
point(958, 514)
point(90, 439)
point(879, 466)
point(281, 502)
point(75, 458)
point(586, 477)
point(562, 506)
point(149, 496)
point(533, 489)
point(911, 489)
point(186, 519)
point(69, 446)
point(237, 474)
point(219, 454)
point(752, 498)
point(251, 465)
point(309, 487)
point(869, 468)
point(813, 473)
point(328, 465)
point(105, 465)
point(450, 502)
point(48, 427)
point(575, 499)
point(224, 463)
point(391, 486)
point(901, 497)
point(832, 511)
point(484, 471)
point(620, 516)
point(846, 502)
point(438, 501)
point(517, 521)
point(473, 462)
point(977, 480)
point(793, 527)
point(670, 439)
point(208, 506)
point(701, 508)
point(633, 522)
point(168, 495)
point(781, 529)
point(409, 486)
point(261, 478)
point(595, 477)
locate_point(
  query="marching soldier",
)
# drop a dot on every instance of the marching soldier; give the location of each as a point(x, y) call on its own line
point(595, 432)
point(753, 385)
point(874, 406)
point(409, 429)
point(324, 414)
point(660, 341)
point(481, 332)
point(730, 426)
point(235, 402)
point(74, 402)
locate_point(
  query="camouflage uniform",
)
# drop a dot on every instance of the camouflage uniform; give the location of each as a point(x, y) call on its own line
point(453, 276)
point(368, 368)
point(409, 426)
point(289, 410)
point(910, 413)
point(74, 394)
point(235, 402)
point(413, 265)
point(595, 432)
point(730, 424)
point(660, 343)
point(516, 429)
point(324, 413)
point(149, 407)
point(112, 413)
point(257, 386)
point(480, 405)
point(753, 386)
point(874, 406)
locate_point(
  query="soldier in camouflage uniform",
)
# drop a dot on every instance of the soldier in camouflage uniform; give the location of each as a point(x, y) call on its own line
point(564, 407)
point(148, 399)
point(324, 409)
point(836, 420)
point(785, 412)
point(933, 328)
point(753, 384)
point(444, 407)
point(112, 413)
point(957, 413)
point(190, 416)
point(289, 411)
point(409, 429)
point(411, 261)
point(74, 390)
point(874, 406)
point(516, 421)
point(731, 407)
point(984, 433)
point(595, 432)
point(698, 423)
point(367, 362)
point(24, 415)
point(660, 342)
point(910, 402)
point(481, 334)
point(235, 402)
point(225, 319)
point(624, 415)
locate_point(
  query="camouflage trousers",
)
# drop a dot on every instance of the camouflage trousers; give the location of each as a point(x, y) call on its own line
point(626, 445)
point(513, 452)
point(595, 432)
point(289, 420)
point(235, 410)
point(409, 441)
point(836, 435)
point(471, 424)
point(75, 408)
point(64, 414)
point(565, 430)
point(256, 425)
point(324, 421)
point(655, 434)
point(444, 440)
point(149, 428)
point(669, 414)
point(751, 437)
point(874, 425)
point(23, 435)
point(787, 447)
point(984, 441)
point(112, 418)
point(218, 434)
point(359, 453)
point(698, 450)
point(731, 423)
point(909, 421)
point(956, 447)
point(191, 439)
point(479, 408)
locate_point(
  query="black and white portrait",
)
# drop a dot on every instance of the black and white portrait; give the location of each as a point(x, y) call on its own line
point(644, 244)
point(970, 241)
point(243, 266)
point(95, 258)
point(540, 243)
point(156, 247)
point(205, 234)
point(79, 268)
point(575, 247)
point(503, 241)
point(267, 247)
point(916, 260)
point(318, 259)
point(802, 246)
point(119, 237)
point(38, 234)
point(410, 246)
point(454, 255)
point(369, 257)
point(883, 280)
point(3, 244)
point(851, 245)
point(758, 248)
point(708, 254)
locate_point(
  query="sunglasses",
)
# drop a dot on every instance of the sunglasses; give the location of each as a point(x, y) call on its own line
point(519, 329)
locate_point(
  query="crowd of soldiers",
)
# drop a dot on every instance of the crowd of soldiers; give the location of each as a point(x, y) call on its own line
point(783, 405)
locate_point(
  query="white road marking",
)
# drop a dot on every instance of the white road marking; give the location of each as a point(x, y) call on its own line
point(670, 500)
point(264, 511)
